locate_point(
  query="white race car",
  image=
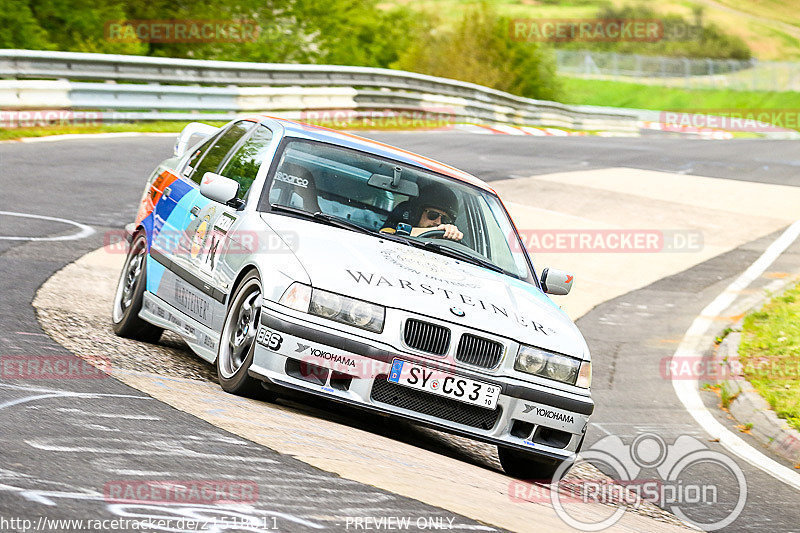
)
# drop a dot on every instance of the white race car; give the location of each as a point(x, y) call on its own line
point(295, 257)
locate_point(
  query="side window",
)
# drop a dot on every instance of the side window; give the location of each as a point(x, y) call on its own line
point(215, 155)
point(244, 164)
point(201, 150)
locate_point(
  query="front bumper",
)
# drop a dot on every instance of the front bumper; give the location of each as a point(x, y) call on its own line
point(339, 366)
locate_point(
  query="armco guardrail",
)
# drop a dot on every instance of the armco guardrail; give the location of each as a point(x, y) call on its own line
point(149, 87)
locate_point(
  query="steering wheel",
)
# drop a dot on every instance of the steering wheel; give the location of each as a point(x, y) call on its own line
point(432, 234)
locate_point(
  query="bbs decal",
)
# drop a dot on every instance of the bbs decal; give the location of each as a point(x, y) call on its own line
point(269, 339)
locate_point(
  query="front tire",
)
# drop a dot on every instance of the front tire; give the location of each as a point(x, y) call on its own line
point(238, 340)
point(130, 293)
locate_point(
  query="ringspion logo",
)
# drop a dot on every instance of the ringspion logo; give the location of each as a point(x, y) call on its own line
point(701, 486)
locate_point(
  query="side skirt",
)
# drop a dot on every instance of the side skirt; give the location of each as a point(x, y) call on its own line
point(202, 340)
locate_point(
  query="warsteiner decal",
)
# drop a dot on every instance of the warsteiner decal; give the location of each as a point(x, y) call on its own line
point(378, 280)
point(192, 302)
point(421, 264)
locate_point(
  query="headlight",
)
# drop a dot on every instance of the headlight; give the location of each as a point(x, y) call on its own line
point(549, 365)
point(325, 304)
point(530, 360)
point(347, 310)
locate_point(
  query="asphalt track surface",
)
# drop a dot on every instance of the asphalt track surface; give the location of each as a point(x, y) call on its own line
point(61, 448)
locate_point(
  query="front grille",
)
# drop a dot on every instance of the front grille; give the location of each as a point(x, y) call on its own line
point(426, 337)
point(422, 402)
point(478, 351)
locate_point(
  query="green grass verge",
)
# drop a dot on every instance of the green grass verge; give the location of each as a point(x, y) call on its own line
point(388, 124)
point(770, 354)
point(640, 96)
point(59, 129)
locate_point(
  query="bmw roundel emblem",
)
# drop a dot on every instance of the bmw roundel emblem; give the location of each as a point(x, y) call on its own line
point(456, 311)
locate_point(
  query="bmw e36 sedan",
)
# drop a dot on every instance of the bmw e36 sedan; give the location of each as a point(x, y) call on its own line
point(296, 257)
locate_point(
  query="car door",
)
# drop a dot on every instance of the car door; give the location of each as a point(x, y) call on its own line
point(216, 248)
point(178, 244)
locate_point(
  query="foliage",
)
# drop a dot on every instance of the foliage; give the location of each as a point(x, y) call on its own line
point(479, 50)
point(681, 37)
point(19, 27)
point(354, 32)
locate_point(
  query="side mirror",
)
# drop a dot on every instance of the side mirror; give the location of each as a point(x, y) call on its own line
point(556, 281)
point(220, 189)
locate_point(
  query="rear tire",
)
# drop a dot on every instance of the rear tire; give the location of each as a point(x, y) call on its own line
point(130, 293)
point(524, 465)
point(238, 341)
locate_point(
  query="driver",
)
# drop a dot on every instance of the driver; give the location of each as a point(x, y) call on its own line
point(434, 209)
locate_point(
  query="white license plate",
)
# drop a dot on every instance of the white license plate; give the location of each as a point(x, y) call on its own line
point(444, 384)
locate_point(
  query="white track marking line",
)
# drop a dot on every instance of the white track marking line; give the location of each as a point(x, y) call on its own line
point(85, 230)
point(688, 390)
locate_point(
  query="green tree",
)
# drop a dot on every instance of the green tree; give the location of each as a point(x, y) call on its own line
point(681, 37)
point(479, 50)
point(19, 27)
point(80, 25)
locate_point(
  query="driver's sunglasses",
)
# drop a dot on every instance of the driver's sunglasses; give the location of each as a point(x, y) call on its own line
point(434, 215)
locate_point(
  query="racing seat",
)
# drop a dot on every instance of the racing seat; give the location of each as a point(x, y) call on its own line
point(400, 213)
point(295, 182)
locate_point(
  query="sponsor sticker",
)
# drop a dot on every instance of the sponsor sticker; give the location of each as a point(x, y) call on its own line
point(552, 417)
point(292, 180)
point(268, 338)
point(192, 302)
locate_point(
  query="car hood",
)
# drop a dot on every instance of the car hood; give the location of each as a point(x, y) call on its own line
point(422, 282)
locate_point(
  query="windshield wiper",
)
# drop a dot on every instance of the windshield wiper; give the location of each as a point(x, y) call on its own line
point(464, 256)
point(322, 217)
point(331, 220)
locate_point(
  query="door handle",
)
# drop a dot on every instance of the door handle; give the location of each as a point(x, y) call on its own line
point(167, 192)
point(195, 210)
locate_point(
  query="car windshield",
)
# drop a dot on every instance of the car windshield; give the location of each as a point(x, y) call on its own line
point(382, 195)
